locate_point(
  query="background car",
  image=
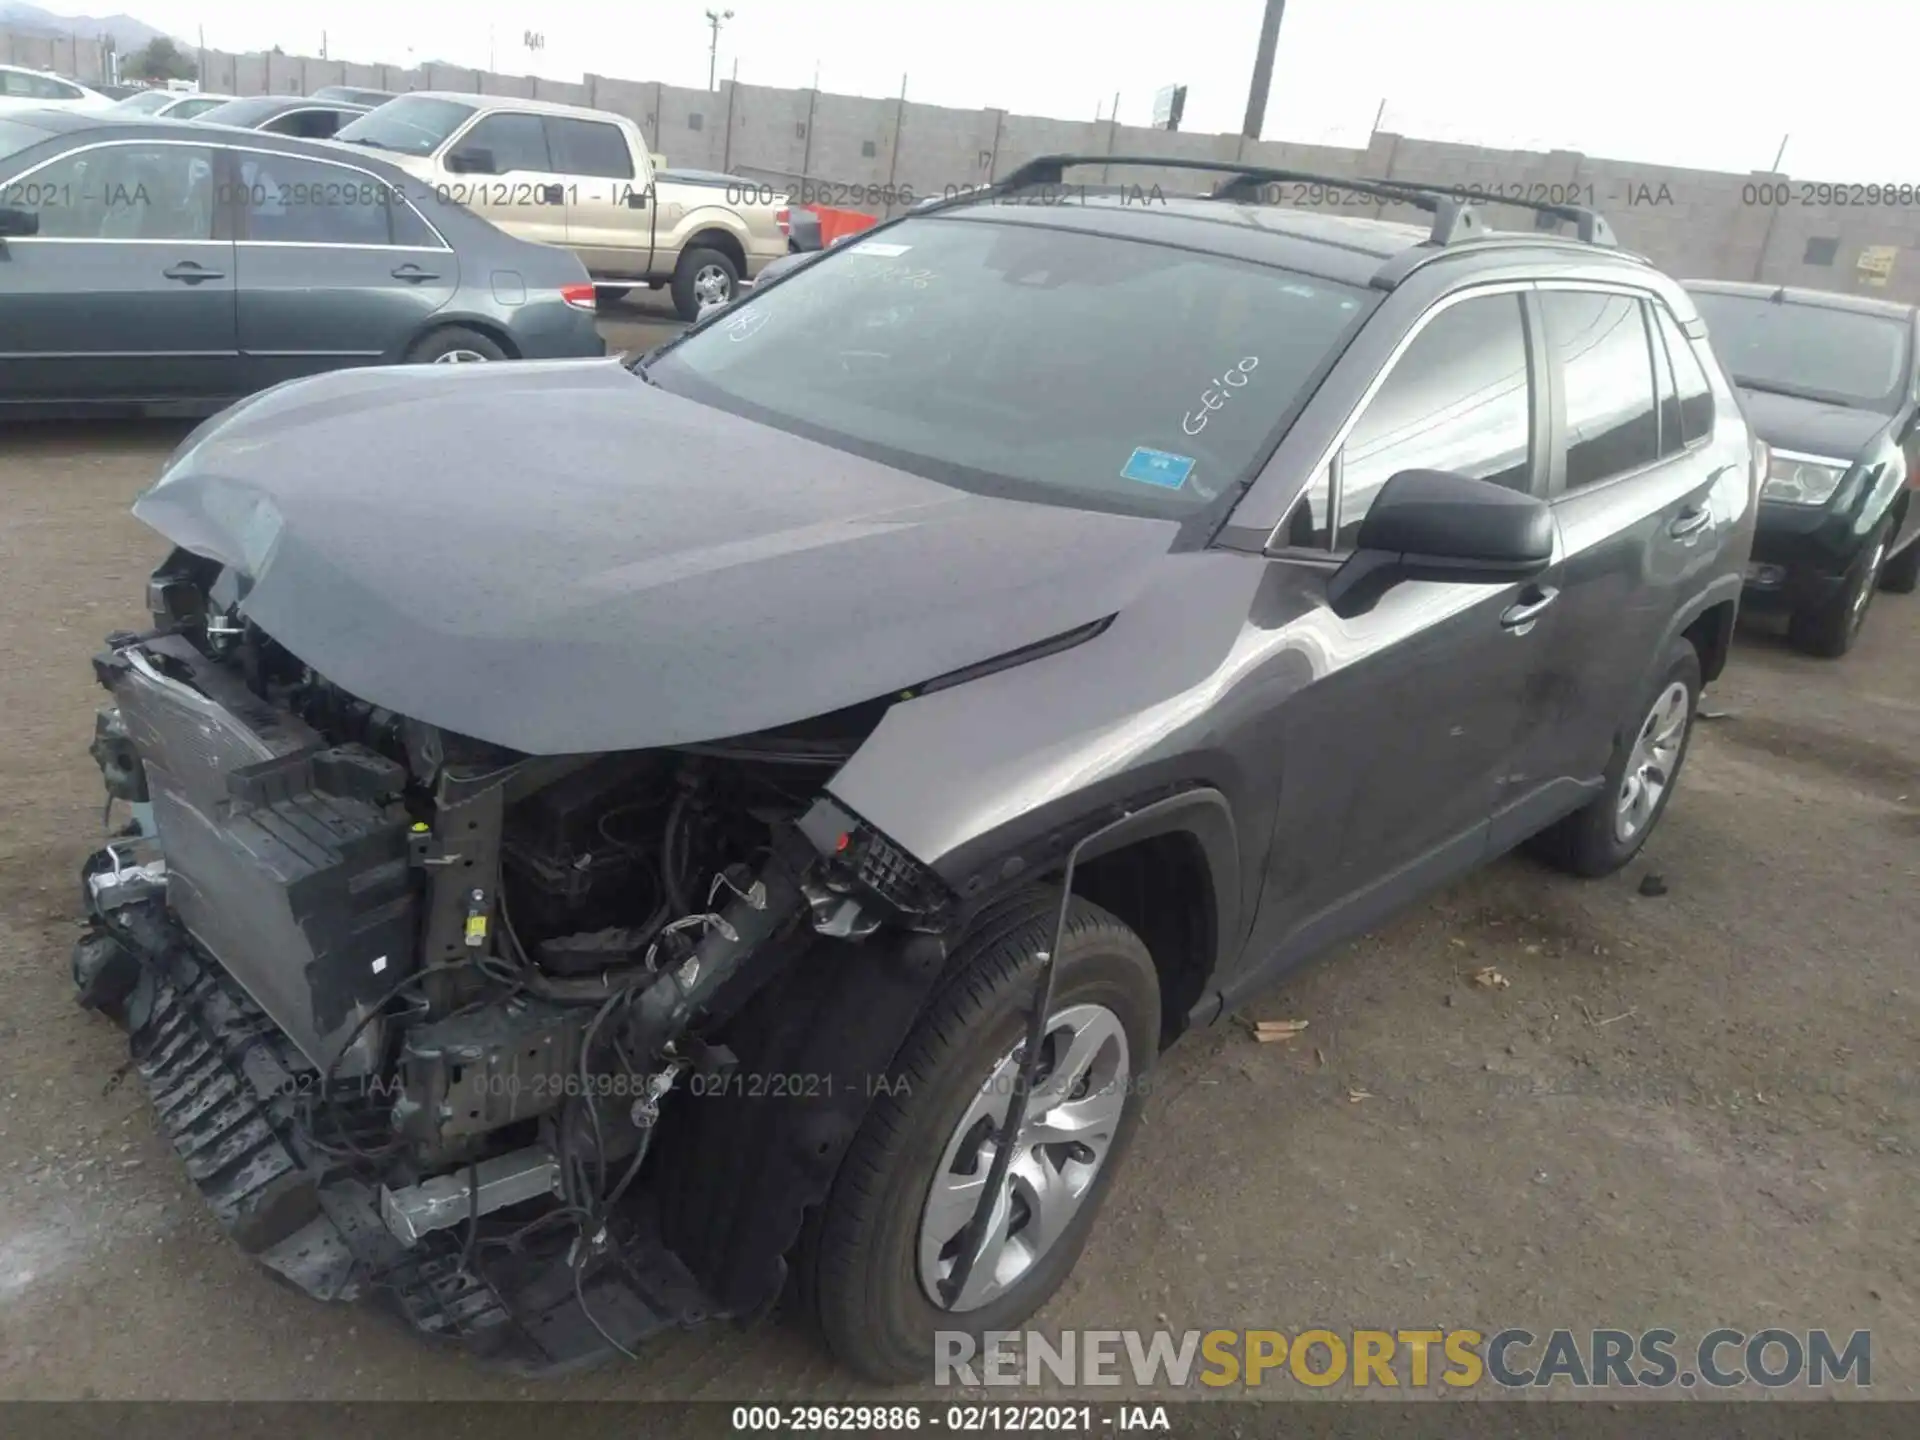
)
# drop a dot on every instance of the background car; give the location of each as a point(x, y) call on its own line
point(162, 265)
point(297, 115)
point(24, 89)
point(1832, 383)
point(353, 95)
point(168, 104)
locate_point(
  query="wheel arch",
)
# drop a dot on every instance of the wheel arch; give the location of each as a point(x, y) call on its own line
point(1706, 622)
point(479, 324)
point(713, 237)
point(1171, 873)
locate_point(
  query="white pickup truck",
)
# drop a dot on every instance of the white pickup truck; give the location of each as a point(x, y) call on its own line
point(583, 180)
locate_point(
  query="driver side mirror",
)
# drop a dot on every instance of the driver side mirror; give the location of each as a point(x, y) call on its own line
point(19, 222)
point(1435, 525)
point(472, 162)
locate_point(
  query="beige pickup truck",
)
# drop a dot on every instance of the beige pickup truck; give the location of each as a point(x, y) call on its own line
point(584, 180)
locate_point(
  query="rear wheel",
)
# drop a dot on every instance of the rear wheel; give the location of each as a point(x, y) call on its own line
point(454, 345)
point(889, 1236)
point(1831, 628)
point(1609, 830)
point(703, 279)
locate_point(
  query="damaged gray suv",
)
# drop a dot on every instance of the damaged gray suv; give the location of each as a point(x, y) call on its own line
point(607, 845)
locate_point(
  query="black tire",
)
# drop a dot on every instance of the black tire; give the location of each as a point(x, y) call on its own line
point(433, 347)
point(1829, 630)
point(611, 294)
point(858, 1267)
point(1587, 843)
point(686, 303)
point(1898, 575)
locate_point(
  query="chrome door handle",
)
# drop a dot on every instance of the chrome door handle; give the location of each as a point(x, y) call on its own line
point(1519, 617)
point(1691, 522)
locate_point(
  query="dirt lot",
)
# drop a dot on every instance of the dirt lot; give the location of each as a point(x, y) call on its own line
point(1692, 1110)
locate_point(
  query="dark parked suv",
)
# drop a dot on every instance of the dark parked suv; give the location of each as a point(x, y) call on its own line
point(1832, 384)
point(606, 840)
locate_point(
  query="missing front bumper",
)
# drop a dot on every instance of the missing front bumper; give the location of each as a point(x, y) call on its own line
point(228, 1089)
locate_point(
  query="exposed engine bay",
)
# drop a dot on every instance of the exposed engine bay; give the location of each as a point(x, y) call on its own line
point(431, 1019)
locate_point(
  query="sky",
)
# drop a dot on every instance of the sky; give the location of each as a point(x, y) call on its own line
point(1713, 84)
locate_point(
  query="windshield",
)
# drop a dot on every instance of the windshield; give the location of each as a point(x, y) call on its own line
point(410, 125)
point(1045, 364)
point(1846, 357)
point(149, 102)
point(244, 113)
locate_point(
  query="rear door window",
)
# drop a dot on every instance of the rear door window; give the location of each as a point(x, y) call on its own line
point(1694, 395)
point(1599, 342)
point(589, 147)
point(291, 199)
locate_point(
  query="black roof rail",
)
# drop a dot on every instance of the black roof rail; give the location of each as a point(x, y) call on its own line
point(1591, 225)
point(1453, 217)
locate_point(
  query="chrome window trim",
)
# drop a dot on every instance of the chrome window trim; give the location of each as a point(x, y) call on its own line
point(214, 142)
point(1338, 444)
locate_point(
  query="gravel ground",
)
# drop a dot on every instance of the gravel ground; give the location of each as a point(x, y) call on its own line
point(1693, 1110)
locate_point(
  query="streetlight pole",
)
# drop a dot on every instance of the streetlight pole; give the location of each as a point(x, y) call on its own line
point(715, 19)
point(1263, 69)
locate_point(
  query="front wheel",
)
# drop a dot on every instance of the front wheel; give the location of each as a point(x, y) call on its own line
point(879, 1262)
point(702, 280)
point(1609, 830)
point(1830, 629)
point(1899, 574)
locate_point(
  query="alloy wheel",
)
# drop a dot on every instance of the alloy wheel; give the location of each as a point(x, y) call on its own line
point(1869, 580)
point(460, 357)
point(1072, 1117)
point(1656, 752)
point(712, 286)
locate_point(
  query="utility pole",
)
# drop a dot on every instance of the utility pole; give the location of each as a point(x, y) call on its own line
point(1263, 69)
point(323, 44)
point(715, 19)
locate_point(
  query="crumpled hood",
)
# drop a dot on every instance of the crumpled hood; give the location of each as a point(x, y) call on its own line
point(559, 558)
point(1813, 427)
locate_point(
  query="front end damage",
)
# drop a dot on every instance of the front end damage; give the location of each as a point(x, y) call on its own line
point(488, 1036)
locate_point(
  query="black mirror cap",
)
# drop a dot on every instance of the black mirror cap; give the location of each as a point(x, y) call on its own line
point(18, 222)
point(1436, 525)
point(471, 162)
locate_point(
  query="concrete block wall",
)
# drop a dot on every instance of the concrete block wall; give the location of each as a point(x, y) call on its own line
point(882, 155)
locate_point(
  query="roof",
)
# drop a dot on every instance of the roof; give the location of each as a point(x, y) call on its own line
point(287, 102)
point(1796, 295)
point(1237, 218)
point(512, 102)
point(1348, 248)
point(110, 125)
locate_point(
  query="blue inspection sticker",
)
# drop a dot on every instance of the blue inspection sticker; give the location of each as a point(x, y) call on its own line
point(1158, 467)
